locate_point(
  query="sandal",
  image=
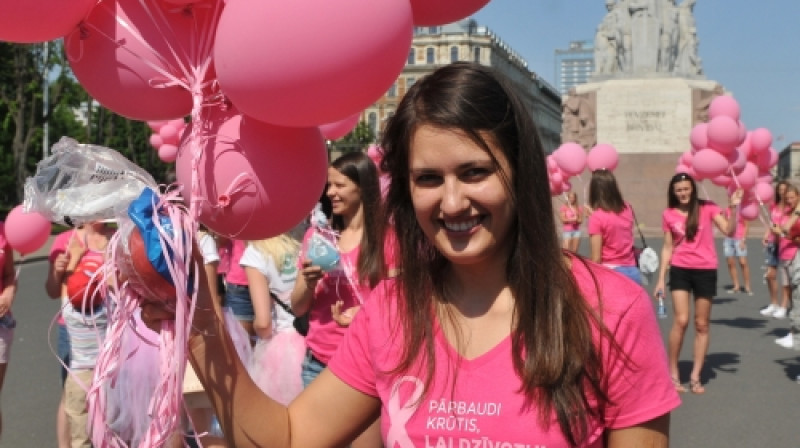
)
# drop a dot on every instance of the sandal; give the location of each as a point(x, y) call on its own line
point(696, 387)
point(678, 386)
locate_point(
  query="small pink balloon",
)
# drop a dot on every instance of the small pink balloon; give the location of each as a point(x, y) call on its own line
point(177, 123)
point(699, 136)
point(168, 153)
point(767, 159)
point(26, 232)
point(723, 180)
point(155, 126)
point(602, 156)
point(156, 141)
point(556, 178)
point(760, 140)
point(723, 134)
point(683, 169)
point(724, 105)
point(566, 186)
point(709, 163)
point(749, 210)
point(686, 158)
point(763, 191)
point(375, 153)
point(442, 12)
point(571, 158)
point(552, 165)
point(338, 129)
point(555, 189)
point(737, 160)
point(747, 178)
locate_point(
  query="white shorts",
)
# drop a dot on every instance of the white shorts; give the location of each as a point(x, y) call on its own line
point(6, 339)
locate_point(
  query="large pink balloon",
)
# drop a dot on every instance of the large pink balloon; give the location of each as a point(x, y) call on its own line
point(699, 136)
point(760, 140)
point(115, 52)
point(749, 210)
point(723, 134)
point(748, 177)
point(602, 156)
point(709, 163)
point(338, 129)
point(767, 159)
point(724, 105)
point(28, 21)
point(723, 180)
point(737, 160)
point(26, 232)
point(256, 180)
point(442, 12)
point(763, 191)
point(571, 158)
point(281, 62)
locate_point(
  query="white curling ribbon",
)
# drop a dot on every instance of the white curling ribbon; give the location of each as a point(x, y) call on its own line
point(400, 414)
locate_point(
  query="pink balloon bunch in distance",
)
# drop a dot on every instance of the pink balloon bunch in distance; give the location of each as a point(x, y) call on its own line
point(570, 159)
point(724, 152)
point(165, 138)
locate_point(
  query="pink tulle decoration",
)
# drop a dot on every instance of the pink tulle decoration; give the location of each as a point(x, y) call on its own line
point(276, 365)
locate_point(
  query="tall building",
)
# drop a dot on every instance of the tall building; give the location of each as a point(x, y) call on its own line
point(575, 65)
point(465, 40)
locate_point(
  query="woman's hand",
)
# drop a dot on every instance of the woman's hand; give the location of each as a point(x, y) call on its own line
point(311, 274)
point(659, 289)
point(343, 318)
point(736, 197)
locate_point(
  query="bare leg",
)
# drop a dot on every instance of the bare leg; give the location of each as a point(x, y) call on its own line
point(574, 244)
point(680, 307)
point(732, 270)
point(772, 284)
point(3, 367)
point(371, 438)
point(745, 273)
point(787, 295)
point(702, 315)
point(62, 425)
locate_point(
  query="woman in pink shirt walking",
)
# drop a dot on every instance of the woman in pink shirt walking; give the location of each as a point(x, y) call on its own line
point(571, 216)
point(691, 257)
point(491, 334)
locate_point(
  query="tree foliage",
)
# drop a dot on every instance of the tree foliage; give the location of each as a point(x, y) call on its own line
point(356, 140)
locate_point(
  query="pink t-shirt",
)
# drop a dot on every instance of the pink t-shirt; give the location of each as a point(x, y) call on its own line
point(700, 253)
point(786, 247)
point(58, 247)
point(485, 408)
point(741, 226)
point(775, 215)
point(236, 274)
point(571, 212)
point(617, 233)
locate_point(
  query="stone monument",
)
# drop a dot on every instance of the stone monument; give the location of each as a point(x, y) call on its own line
point(647, 92)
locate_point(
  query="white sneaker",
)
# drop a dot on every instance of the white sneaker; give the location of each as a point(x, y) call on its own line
point(786, 341)
point(768, 310)
point(780, 313)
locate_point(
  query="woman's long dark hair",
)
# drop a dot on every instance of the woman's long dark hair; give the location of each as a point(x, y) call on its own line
point(360, 169)
point(604, 192)
point(693, 213)
point(553, 351)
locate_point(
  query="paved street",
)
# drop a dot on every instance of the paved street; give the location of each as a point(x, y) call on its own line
point(750, 399)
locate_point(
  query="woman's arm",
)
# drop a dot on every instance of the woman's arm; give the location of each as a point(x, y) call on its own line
point(262, 302)
point(55, 276)
point(650, 434)
point(596, 241)
point(666, 256)
point(10, 284)
point(303, 291)
point(211, 275)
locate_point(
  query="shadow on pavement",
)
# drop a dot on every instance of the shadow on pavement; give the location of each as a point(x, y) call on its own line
point(741, 322)
point(715, 362)
point(791, 366)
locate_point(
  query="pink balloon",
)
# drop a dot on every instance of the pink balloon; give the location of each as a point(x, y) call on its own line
point(115, 52)
point(555, 189)
point(767, 159)
point(723, 180)
point(442, 12)
point(765, 179)
point(566, 186)
point(26, 232)
point(699, 136)
point(686, 158)
point(338, 129)
point(155, 126)
point(723, 134)
point(724, 106)
point(747, 178)
point(156, 140)
point(709, 163)
point(760, 140)
point(28, 21)
point(178, 124)
point(749, 210)
point(552, 165)
point(305, 74)
point(557, 178)
point(602, 156)
point(683, 169)
point(742, 132)
point(256, 180)
point(168, 153)
point(168, 133)
point(737, 160)
point(763, 191)
point(375, 153)
point(571, 158)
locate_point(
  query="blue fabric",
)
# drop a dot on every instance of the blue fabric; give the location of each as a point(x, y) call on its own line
point(141, 213)
point(632, 272)
point(237, 298)
point(311, 368)
point(63, 350)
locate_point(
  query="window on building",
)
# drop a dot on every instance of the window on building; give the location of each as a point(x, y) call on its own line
point(410, 81)
point(453, 54)
point(430, 57)
point(433, 29)
point(412, 56)
point(372, 122)
point(476, 54)
point(392, 91)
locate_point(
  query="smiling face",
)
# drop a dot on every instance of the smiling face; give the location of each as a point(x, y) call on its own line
point(459, 197)
point(791, 198)
point(683, 191)
point(344, 194)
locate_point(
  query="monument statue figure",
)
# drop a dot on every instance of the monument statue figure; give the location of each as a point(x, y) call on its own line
point(668, 45)
point(614, 37)
point(605, 51)
point(688, 61)
point(578, 121)
point(646, 34)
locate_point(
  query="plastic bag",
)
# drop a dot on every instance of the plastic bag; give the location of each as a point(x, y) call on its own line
point(83, 183)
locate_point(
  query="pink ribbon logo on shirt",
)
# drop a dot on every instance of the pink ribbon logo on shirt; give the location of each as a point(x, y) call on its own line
point(400, 414)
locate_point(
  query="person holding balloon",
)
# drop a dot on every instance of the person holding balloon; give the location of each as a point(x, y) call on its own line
point(790, 237)
point(770, 241)
point(611, 226)
point(490, 332)
point(571, 215)
point(8, 290)
point(787, 248)
point(689, 253)
point(735, 249)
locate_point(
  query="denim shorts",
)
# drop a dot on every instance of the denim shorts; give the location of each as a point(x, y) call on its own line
point(567, 234)
point(63, 350)
point(771, 255)
point(632, 272)
point(733, 248)
point(312, 367)
point(237, 298)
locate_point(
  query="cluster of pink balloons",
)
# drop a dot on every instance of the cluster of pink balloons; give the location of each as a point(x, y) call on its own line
point(244, 71)
point(165, 138)
point(570, 159)
point(730, 156)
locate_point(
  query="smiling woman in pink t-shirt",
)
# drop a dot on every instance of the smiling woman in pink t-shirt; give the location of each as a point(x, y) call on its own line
point(691, 257)
point(571, 216)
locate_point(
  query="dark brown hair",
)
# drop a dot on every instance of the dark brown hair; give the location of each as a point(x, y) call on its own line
point(604, 192)
point(360, 169)
point(693, 214)
point(553, 351)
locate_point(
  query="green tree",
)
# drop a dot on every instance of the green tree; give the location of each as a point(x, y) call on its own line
point(356, 140)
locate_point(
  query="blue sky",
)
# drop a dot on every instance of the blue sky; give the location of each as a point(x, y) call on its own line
point(751, 47)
